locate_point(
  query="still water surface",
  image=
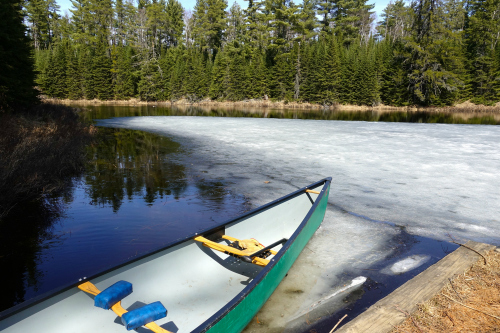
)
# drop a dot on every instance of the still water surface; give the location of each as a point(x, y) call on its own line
point(138, 192)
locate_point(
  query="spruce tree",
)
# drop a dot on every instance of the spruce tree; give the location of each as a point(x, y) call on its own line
point(330, 71)
point(16, 63)
point(283, 77)
point(220, 74)
point(124, 84)
point(102, 73)
point(256, 84)
point(73, 75)
point(149, 86)
point(87, 55)
point(178, 74)
point(55, 75)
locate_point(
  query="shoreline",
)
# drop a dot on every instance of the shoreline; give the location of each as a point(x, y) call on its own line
point(465, 107)
point(394, 309)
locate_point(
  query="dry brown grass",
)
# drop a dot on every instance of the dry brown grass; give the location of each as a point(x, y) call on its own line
point(469, 303)
point(463, 108)
point(39, 149)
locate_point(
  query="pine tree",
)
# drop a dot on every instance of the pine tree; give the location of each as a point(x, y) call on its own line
point(481, 34)
point(256, 33)
point(41, 18)
point(307, 21)
point(282, 17)
point(209, 23)
point(174, 22)
point(430, 78)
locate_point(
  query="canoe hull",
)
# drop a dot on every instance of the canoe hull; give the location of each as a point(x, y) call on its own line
point(238, 317)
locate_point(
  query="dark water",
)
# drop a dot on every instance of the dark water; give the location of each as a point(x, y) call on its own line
point(107, 111)
point(137, 193)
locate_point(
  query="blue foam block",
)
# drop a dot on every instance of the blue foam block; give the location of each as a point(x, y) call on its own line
point(143, 315)
point(113, 294)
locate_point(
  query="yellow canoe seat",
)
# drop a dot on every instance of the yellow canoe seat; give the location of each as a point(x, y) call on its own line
point(242, 249)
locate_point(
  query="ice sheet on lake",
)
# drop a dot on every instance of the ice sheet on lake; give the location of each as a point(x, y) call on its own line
point(406, 265)
point(433, 179)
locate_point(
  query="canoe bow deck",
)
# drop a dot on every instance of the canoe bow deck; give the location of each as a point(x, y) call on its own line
point(203, 288)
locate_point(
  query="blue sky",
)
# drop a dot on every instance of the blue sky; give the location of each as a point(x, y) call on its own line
point(189, 4)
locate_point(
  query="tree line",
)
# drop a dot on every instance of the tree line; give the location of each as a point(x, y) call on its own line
point(426, 52)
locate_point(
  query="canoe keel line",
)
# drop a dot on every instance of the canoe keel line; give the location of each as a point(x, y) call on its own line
point(238, 275)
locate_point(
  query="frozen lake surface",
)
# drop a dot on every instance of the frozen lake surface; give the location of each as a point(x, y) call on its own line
point(427, 180)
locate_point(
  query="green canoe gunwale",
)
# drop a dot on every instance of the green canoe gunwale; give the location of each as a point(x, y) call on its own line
point(238, 323)
point(237, 300)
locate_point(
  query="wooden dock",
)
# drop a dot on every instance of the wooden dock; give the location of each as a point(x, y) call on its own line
point(388, 312)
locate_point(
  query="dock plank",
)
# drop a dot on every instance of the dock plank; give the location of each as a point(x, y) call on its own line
point(384, 315)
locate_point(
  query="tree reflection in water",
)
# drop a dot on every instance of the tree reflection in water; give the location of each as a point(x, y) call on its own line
point(24, 232)
point(126, 163)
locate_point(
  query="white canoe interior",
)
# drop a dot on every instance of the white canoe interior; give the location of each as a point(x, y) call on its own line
point(193, 282)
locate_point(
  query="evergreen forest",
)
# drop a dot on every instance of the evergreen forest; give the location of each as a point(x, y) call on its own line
point(423, 52)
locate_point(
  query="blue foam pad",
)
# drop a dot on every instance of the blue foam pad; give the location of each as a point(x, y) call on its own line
point(113, 294)
point(143, 315)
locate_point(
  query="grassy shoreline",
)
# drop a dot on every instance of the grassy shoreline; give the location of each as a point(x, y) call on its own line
point(41, 148)
point(469, 303)
point(465, 107)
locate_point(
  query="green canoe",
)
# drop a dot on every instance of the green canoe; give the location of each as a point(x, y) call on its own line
point(212, 281)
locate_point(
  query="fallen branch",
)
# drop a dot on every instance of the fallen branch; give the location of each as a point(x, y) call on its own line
point(334, 327)
point(471, 307)
point(467, 247)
